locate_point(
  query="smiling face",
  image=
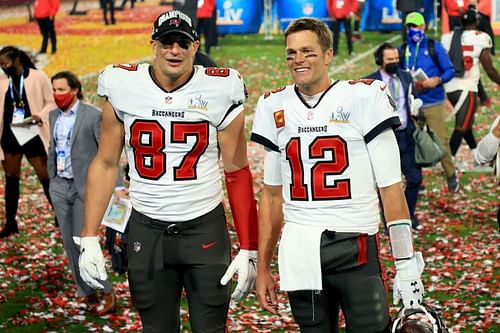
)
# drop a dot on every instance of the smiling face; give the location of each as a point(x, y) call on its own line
point(307, 62)
point(174, 56)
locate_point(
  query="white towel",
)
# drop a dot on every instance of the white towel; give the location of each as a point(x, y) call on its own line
point(299, 257)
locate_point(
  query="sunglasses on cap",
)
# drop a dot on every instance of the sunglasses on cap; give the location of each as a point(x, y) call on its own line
point(170, 39)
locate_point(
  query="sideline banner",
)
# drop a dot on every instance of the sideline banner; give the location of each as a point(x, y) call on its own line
point(382, 15)
point(239, 16)
point(289, 10)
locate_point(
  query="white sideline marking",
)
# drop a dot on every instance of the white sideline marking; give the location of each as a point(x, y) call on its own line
point(363, 55)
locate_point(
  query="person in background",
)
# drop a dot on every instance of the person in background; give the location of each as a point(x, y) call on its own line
point(205, 20)
point(455, 10)
point(406, 7)
point(45, 14)
point(175, 120)
point(189, 7)
point(342, 11)
point(484, 26)
point(356, 35)
point(429, 73)
point(108, 6)
point(488, 149)
point(25, 98)
point(401, 88)
point(320, 136)
point(474, 48)
point(74, 128)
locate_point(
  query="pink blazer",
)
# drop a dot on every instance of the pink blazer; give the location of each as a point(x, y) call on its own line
point(40, 100)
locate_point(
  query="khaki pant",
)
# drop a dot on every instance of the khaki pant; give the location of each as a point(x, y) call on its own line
point(435, 118)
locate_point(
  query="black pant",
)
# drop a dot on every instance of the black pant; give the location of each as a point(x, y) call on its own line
point(194, 259)
point(108, 5)
point(353, 281)
point(336, 34)
point(454, 21)
point(205, 26)
point(47, 30)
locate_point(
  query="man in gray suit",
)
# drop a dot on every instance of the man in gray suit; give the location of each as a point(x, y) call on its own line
point(74, 128)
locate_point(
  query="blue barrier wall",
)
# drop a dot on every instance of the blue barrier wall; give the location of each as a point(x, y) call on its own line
point(239, 16)
point(292, 9)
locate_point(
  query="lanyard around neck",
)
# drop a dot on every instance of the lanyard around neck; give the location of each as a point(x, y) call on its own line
point(71, 126)
point(407, 56)
point(20, 92)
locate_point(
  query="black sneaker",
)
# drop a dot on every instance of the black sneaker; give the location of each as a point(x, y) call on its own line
point(8, 230)
point(453, 184)
point(415, 225)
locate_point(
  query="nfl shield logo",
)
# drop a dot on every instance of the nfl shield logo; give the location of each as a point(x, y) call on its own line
point(168, 100)
point(137, 246)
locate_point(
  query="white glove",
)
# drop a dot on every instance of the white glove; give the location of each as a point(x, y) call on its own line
point(415, 105)
point(91, 261)
point(407, 283)
point(244, 264)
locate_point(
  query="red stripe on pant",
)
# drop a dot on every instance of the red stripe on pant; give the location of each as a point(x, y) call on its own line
point(470, 111)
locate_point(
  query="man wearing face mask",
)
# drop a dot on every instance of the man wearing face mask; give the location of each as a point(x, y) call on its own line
point(74, 128)
point(401, 86)
point(430, 66)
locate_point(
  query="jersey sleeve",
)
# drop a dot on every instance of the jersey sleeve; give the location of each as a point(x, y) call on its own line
point(272, 168)
point(237, 96)
point(102, 84)
point(264, 130)
point(378, 110)
point(484, 41)
point(105, 87)
point(385, 160)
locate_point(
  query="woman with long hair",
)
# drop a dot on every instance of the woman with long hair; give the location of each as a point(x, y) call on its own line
point(25, 100)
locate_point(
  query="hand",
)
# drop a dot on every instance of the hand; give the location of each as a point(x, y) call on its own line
point(244, 265)
point(120, 193)
point(448, 106)
point(496, 131)
point(266, 293)
point(91, 261)
point(431, 83)
point(407, 283)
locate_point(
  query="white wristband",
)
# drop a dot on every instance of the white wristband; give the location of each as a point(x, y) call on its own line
point(401, 239)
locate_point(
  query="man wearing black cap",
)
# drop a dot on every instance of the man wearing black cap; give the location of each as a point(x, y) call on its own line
point(173, 119)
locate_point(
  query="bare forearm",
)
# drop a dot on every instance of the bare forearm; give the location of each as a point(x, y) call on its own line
point(394, 202)
point(493, 75)
point(101, 182)
point(270, 224)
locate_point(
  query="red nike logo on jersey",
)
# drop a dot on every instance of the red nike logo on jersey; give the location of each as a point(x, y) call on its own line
point(208, 245)
point(383, 88)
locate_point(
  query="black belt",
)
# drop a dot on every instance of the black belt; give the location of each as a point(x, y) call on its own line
point(173, 228)
point(169, 229)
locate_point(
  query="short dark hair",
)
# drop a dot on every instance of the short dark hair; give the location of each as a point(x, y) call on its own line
point(318, 27)
point(72, 79)
point(379, 52)
point(13, 53)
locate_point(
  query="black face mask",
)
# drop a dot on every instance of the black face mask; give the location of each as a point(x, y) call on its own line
point(9, 71)
point(392, 68)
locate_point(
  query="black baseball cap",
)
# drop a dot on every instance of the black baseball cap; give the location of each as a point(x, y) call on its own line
point(173, 21)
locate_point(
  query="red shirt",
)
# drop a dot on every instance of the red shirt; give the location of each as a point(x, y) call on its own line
point(46, 8)
point(453, 6)
point(340, 9)
point(206, 9)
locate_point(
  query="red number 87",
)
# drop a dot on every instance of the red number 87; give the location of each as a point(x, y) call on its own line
point(147, 139)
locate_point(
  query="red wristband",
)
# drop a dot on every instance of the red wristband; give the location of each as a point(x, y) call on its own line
point(239, 186)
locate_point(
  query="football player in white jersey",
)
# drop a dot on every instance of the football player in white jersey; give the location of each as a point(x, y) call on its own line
point(329, 146)
point(173, 119)
point(462, 92)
